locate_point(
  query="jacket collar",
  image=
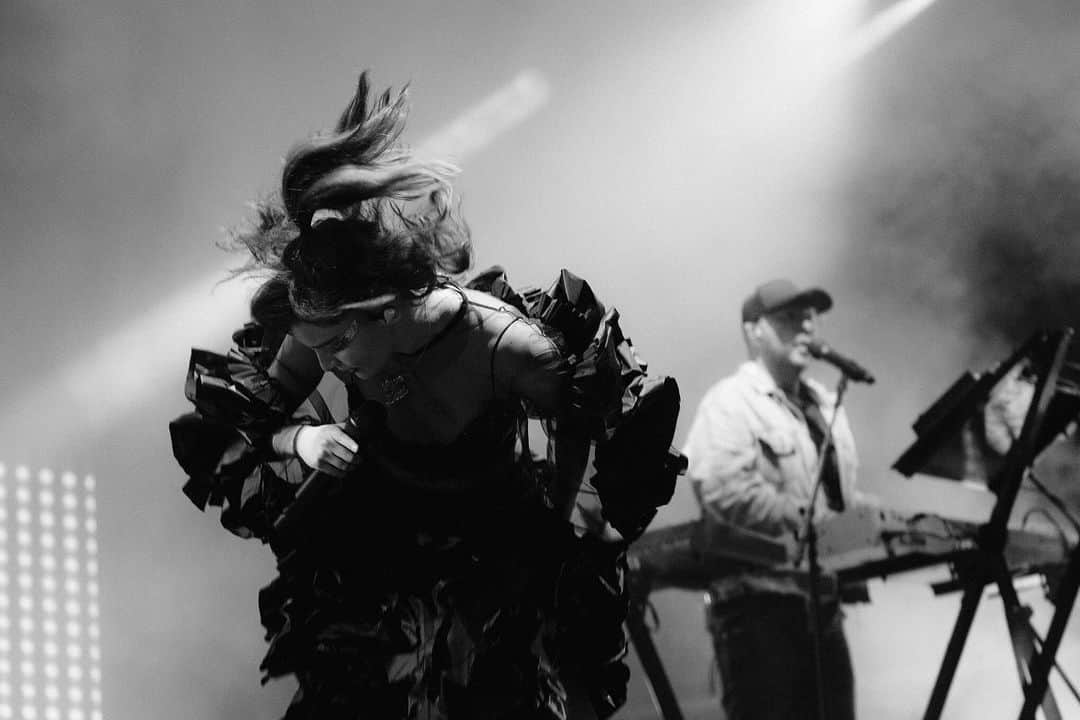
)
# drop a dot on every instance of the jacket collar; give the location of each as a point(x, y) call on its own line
point(759, 379)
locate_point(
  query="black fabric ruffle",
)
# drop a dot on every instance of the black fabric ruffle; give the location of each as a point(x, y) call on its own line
point(223, 445)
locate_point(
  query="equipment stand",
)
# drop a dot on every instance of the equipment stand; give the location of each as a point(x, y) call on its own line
point(987, 564)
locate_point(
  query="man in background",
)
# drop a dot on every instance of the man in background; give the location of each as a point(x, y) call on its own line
point(753, 450)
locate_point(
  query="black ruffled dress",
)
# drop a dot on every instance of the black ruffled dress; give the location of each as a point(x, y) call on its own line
point(432, 582)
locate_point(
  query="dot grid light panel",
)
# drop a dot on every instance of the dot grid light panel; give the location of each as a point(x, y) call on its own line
point(50, 644)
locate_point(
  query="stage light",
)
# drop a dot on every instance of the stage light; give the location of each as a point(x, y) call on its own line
point(53, 575)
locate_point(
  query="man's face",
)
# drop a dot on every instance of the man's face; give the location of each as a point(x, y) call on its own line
point(780, 337)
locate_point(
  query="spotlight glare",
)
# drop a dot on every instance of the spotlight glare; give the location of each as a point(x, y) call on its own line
point(45, 476)
point(89, 483)
point(22, 494)
point(22, 473)
point(50, 646)
point(68, 479)
point(69, 501)
point(46, 498)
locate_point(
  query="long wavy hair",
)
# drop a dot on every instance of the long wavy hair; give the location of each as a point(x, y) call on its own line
point(357, 216)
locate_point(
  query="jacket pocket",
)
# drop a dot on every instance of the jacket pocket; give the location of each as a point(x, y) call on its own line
point(776, 445)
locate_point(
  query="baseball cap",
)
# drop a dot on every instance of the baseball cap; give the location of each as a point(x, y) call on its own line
point(781, 293)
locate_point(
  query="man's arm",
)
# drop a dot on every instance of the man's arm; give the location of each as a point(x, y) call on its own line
point(724, 459)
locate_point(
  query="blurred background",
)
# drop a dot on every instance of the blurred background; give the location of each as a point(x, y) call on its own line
point(918, 159)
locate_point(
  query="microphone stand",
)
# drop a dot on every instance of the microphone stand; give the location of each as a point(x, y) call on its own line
point(809, 544)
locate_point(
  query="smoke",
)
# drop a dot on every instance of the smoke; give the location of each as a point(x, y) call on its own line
point(963, 200)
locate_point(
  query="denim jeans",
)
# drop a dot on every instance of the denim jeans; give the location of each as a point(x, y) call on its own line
point(765, 658)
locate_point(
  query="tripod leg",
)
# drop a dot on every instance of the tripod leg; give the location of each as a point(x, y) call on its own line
point(1040, 667)
point(969, 603)
point(655, 677)
point(1023, 637)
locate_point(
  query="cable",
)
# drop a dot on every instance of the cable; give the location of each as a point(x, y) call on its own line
point(1055, 501)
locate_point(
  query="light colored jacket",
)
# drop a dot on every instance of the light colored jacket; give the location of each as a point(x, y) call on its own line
point(752, 457)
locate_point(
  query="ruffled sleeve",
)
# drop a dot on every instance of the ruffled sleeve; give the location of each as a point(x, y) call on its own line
point(609, 395)
point(224, 445)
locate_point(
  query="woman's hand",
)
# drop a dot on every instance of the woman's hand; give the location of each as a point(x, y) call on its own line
point(326, 448)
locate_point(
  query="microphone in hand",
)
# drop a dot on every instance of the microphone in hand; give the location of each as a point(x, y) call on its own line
point(853, 370)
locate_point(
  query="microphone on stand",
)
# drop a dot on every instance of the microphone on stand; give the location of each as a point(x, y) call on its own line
point(853, 370)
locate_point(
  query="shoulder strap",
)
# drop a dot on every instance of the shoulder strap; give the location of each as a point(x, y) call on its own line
point(494, 352)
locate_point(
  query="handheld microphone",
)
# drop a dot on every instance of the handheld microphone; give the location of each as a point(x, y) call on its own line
point(318, 484)
point(853, 370)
